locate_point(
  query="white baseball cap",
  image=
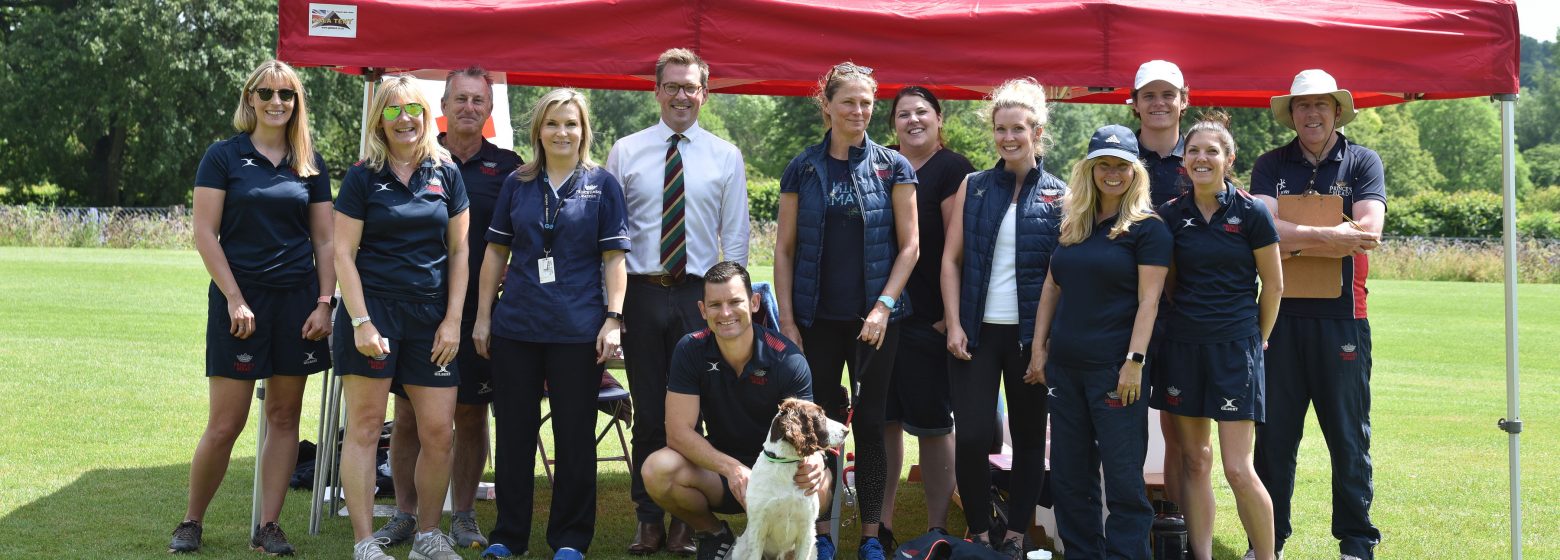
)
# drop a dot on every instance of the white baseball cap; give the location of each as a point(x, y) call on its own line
point(1156, 70)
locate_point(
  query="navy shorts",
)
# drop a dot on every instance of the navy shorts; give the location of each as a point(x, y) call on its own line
point(1219, 380)
point(277, 346)
point(410, 327)
point(476, 372)
point(918, 394)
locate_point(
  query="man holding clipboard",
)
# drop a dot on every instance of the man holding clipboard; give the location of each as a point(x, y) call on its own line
point(1319, 350)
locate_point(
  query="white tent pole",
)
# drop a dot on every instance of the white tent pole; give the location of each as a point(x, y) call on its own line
point(1512, 423)
point(255, 496)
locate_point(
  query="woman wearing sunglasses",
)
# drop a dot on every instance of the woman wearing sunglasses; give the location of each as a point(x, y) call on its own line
point(401, 254)
point(847, 242)
point(262, 227)
point(560, 226)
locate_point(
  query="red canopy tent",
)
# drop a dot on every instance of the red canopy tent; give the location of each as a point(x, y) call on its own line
point(1234, 52)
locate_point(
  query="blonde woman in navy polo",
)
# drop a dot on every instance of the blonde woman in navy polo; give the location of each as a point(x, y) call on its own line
point(1102, 292)
point(402, 257)
point(1210, 366)
point(262, 227)
point(845, 247)
point(558, 243)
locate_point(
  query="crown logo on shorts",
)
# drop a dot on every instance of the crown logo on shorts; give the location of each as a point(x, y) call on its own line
point(245, 358)
point(1347, 348)
point(1174, 391)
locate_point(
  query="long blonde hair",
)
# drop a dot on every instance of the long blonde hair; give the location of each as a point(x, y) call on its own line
point(555, 98)
point(377, 156)
point(1081, 204)
point(299, 145)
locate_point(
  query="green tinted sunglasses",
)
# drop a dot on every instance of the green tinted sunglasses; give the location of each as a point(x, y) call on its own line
point(393, 112)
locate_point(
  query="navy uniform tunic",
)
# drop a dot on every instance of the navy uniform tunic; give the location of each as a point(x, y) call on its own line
point(590, 220)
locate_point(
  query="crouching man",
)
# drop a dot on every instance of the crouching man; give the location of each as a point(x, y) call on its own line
point(734, 374)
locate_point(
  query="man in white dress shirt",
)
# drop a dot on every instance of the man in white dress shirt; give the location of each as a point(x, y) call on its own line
point(687, 210)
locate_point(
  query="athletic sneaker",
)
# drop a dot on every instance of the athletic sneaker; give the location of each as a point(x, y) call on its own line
point(433, 545)
point(567, 553)
point(372, 548)
point(1013, 549)
point(1349, 557)
point(1250, 555)
point(398, 529)
point(825, 547)
point(497, 550)
point(186, 537)
point(871, 549)
point(886, 536)
point(464, 529)
point(270, 539)
point(712, 546)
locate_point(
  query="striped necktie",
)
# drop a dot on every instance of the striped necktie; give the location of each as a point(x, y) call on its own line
point(674, 251)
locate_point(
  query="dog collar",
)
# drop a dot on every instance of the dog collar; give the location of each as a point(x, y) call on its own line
point(777, 459)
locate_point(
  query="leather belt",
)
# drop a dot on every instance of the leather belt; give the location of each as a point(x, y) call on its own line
point(664, 280)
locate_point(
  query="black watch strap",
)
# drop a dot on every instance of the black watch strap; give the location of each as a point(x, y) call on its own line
point(615, 315)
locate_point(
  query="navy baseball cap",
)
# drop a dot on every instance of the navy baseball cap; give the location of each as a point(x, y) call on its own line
point(1114, 140)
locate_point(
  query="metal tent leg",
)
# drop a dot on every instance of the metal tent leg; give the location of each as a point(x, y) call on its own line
point(255, 496)
point(1512, 423)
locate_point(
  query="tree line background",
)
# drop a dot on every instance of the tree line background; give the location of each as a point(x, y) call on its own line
point(113, 103)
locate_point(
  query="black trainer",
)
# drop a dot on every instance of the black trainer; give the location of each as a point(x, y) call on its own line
point(715, 546)
point(186, 537)
point(270, 539)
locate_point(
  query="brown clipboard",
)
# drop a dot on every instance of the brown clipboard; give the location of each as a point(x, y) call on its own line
point(1312, 277)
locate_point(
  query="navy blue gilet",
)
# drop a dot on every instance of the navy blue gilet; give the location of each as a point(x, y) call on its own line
point(1038, 223)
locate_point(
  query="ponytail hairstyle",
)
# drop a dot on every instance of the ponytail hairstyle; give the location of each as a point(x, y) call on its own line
point(1027, 94)
point(834, 79)
point(1217, 123)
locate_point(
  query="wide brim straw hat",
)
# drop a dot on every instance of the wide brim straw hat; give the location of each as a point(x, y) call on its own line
point(1313, 82)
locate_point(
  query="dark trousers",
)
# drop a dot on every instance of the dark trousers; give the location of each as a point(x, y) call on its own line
point(973, 384)
point(573, 379)
point(1089, 429)
point(1326, 363)
point(655, 318)
point(830, 346)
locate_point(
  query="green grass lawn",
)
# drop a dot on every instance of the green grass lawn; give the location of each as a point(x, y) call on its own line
point(102, 401)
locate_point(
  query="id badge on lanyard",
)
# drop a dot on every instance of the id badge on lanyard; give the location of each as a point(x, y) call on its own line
point(546, 269)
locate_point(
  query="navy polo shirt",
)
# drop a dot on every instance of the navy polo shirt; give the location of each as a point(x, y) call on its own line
point(591, 220)
point(403, 252)
point(1351, 171)
point(738, 407)
point(1215, 298)
point(484, 176)
point(1099, 282)
point(1166, 176)
point(265, 212)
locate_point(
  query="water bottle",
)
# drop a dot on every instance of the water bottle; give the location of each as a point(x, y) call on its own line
point(1168, 540)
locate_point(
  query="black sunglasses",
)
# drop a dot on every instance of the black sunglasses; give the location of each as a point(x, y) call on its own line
point(266, 93)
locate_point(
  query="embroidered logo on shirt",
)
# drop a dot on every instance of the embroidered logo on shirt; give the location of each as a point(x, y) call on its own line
point(435, 186)
point(714, 366)
point(490, 168)
point(1050, 195)
point(1188, 222)
point(248, 162)
point(1282, 186)
point(1232, 228)
point(1342, 188)
point(882, 170)
point(382, 186)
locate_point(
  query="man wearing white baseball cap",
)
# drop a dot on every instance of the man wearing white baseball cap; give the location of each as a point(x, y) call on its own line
point(1320, 349)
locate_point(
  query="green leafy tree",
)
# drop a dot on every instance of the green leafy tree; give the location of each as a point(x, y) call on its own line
point(1463, 135)
point(1393, 133)
point(1543, 164)
point(116, 101)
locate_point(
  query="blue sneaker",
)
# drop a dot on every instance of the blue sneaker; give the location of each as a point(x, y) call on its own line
point(871, 549)
point(497, 550)
point(826, 547)
point(567, 553)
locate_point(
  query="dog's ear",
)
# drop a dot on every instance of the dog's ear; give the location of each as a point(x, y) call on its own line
point(812, 428)
point(777, 426)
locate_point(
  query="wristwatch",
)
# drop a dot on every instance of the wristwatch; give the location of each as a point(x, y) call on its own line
point(358, 321)
point(1137, 357)
point(615, 315)
point(327, 300)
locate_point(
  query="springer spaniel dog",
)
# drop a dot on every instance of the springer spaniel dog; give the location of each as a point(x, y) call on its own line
point(780, 516)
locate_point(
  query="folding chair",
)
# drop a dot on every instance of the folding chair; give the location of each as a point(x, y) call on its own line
point(614, 401)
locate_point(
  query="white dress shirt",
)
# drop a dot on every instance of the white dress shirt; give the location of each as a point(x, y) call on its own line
point(715, 199)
